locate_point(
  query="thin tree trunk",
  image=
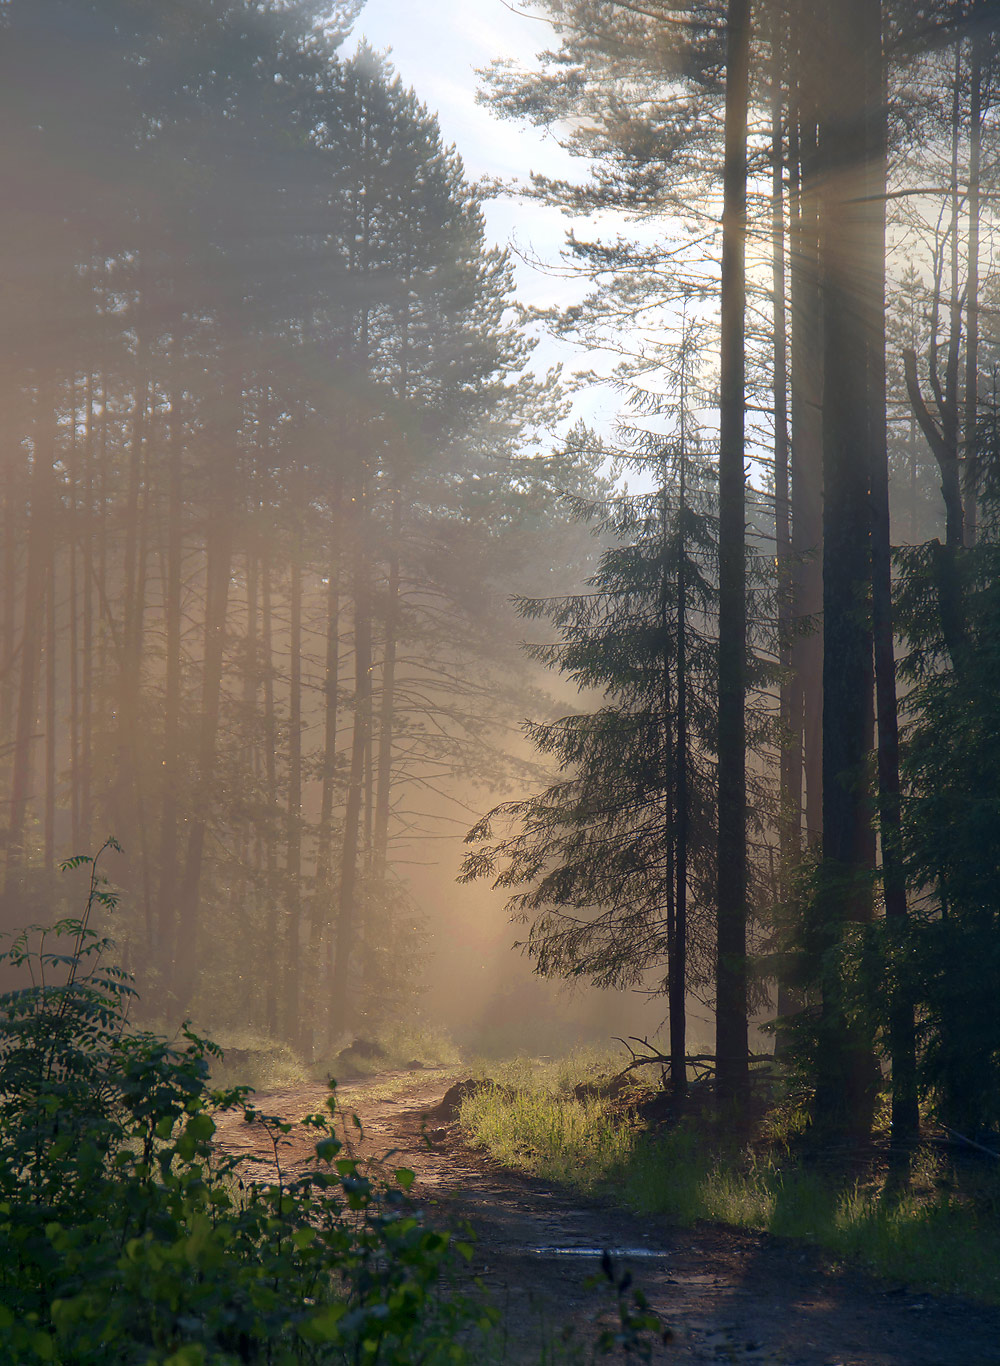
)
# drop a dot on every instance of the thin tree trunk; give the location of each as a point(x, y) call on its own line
point(293, 817)
point(347, 908)
point(731, 975)
point(170, 814)
point(380, 855)
point(87, 661)
point(73, 618)
point(12, 518)
point(270, 736)
point(678, 949)
point(324, 848)
point(675, 984)
point(49, 853)
point(320, 920)
point(789, 700)
point(39, 537)
point(806, 460)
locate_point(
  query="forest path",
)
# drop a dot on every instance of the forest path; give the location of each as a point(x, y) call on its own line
point(728, 1296)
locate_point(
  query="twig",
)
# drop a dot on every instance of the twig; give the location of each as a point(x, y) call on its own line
point(971, 1142)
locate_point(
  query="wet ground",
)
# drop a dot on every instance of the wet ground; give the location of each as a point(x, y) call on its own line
point(727, 1296)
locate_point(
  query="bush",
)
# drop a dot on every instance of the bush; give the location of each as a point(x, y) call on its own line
point(126, 1238)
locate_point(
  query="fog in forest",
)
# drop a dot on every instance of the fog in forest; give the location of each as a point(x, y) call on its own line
point(369, 657)
point(273, 470)
point(499, 690)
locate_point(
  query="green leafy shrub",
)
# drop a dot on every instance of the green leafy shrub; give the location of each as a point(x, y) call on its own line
point(126, 1237)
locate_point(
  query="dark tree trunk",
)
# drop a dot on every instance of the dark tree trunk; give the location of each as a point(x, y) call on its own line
point(849, 236)
point(972, 278)
point(790, 692)
point(678, 948)
point(806, 449)
point(902, 1043)
point(731, 980)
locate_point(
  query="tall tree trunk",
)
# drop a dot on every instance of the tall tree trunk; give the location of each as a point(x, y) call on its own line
point(170, 767)
point(731, 975)
point(850, 233)
point(347, 907)
point(902, 1041)
point(73, 620)
point(87, 660)
point(49, 847)
point(678, 948)
point(790, 692)
point(320, 925)
point(807, 442)
point(972, 277)
point(40, 516)
point(293, 815)
point(380, 846)
point(12, 519)
point(270, 738)
point(675, 983)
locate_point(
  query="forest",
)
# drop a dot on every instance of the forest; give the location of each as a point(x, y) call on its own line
point(318, 570)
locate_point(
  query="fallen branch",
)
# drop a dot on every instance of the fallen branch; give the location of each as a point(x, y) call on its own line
point(704, 1064)
point(970, 1142)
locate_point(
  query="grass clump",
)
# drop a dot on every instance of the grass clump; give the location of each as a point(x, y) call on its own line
point(575, 1142)
point(937, 1231)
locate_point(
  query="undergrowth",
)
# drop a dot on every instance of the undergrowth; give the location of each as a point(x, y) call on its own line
point(127, 1239)
point(938, 1232)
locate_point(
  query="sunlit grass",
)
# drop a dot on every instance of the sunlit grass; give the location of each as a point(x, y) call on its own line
point(939, 1233)
point(576, 1142)
point(556, 1076)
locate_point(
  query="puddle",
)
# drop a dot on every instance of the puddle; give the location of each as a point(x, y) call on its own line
point(597, 1252)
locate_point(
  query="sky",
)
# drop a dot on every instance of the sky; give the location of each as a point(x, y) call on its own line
point(436, 46)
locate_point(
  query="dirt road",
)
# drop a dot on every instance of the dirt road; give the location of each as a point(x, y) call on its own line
point(728, 1296)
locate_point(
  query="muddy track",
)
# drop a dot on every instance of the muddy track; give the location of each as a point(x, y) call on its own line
point(728, 1296)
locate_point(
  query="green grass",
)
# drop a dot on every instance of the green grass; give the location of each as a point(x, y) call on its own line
point(940, 1233)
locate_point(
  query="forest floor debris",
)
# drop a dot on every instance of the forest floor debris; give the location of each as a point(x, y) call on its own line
point(728, 1295)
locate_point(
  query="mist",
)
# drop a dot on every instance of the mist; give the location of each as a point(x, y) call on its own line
point(271, 477)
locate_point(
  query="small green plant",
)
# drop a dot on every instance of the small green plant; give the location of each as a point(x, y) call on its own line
point(127, 1240)
point(638, 1327)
